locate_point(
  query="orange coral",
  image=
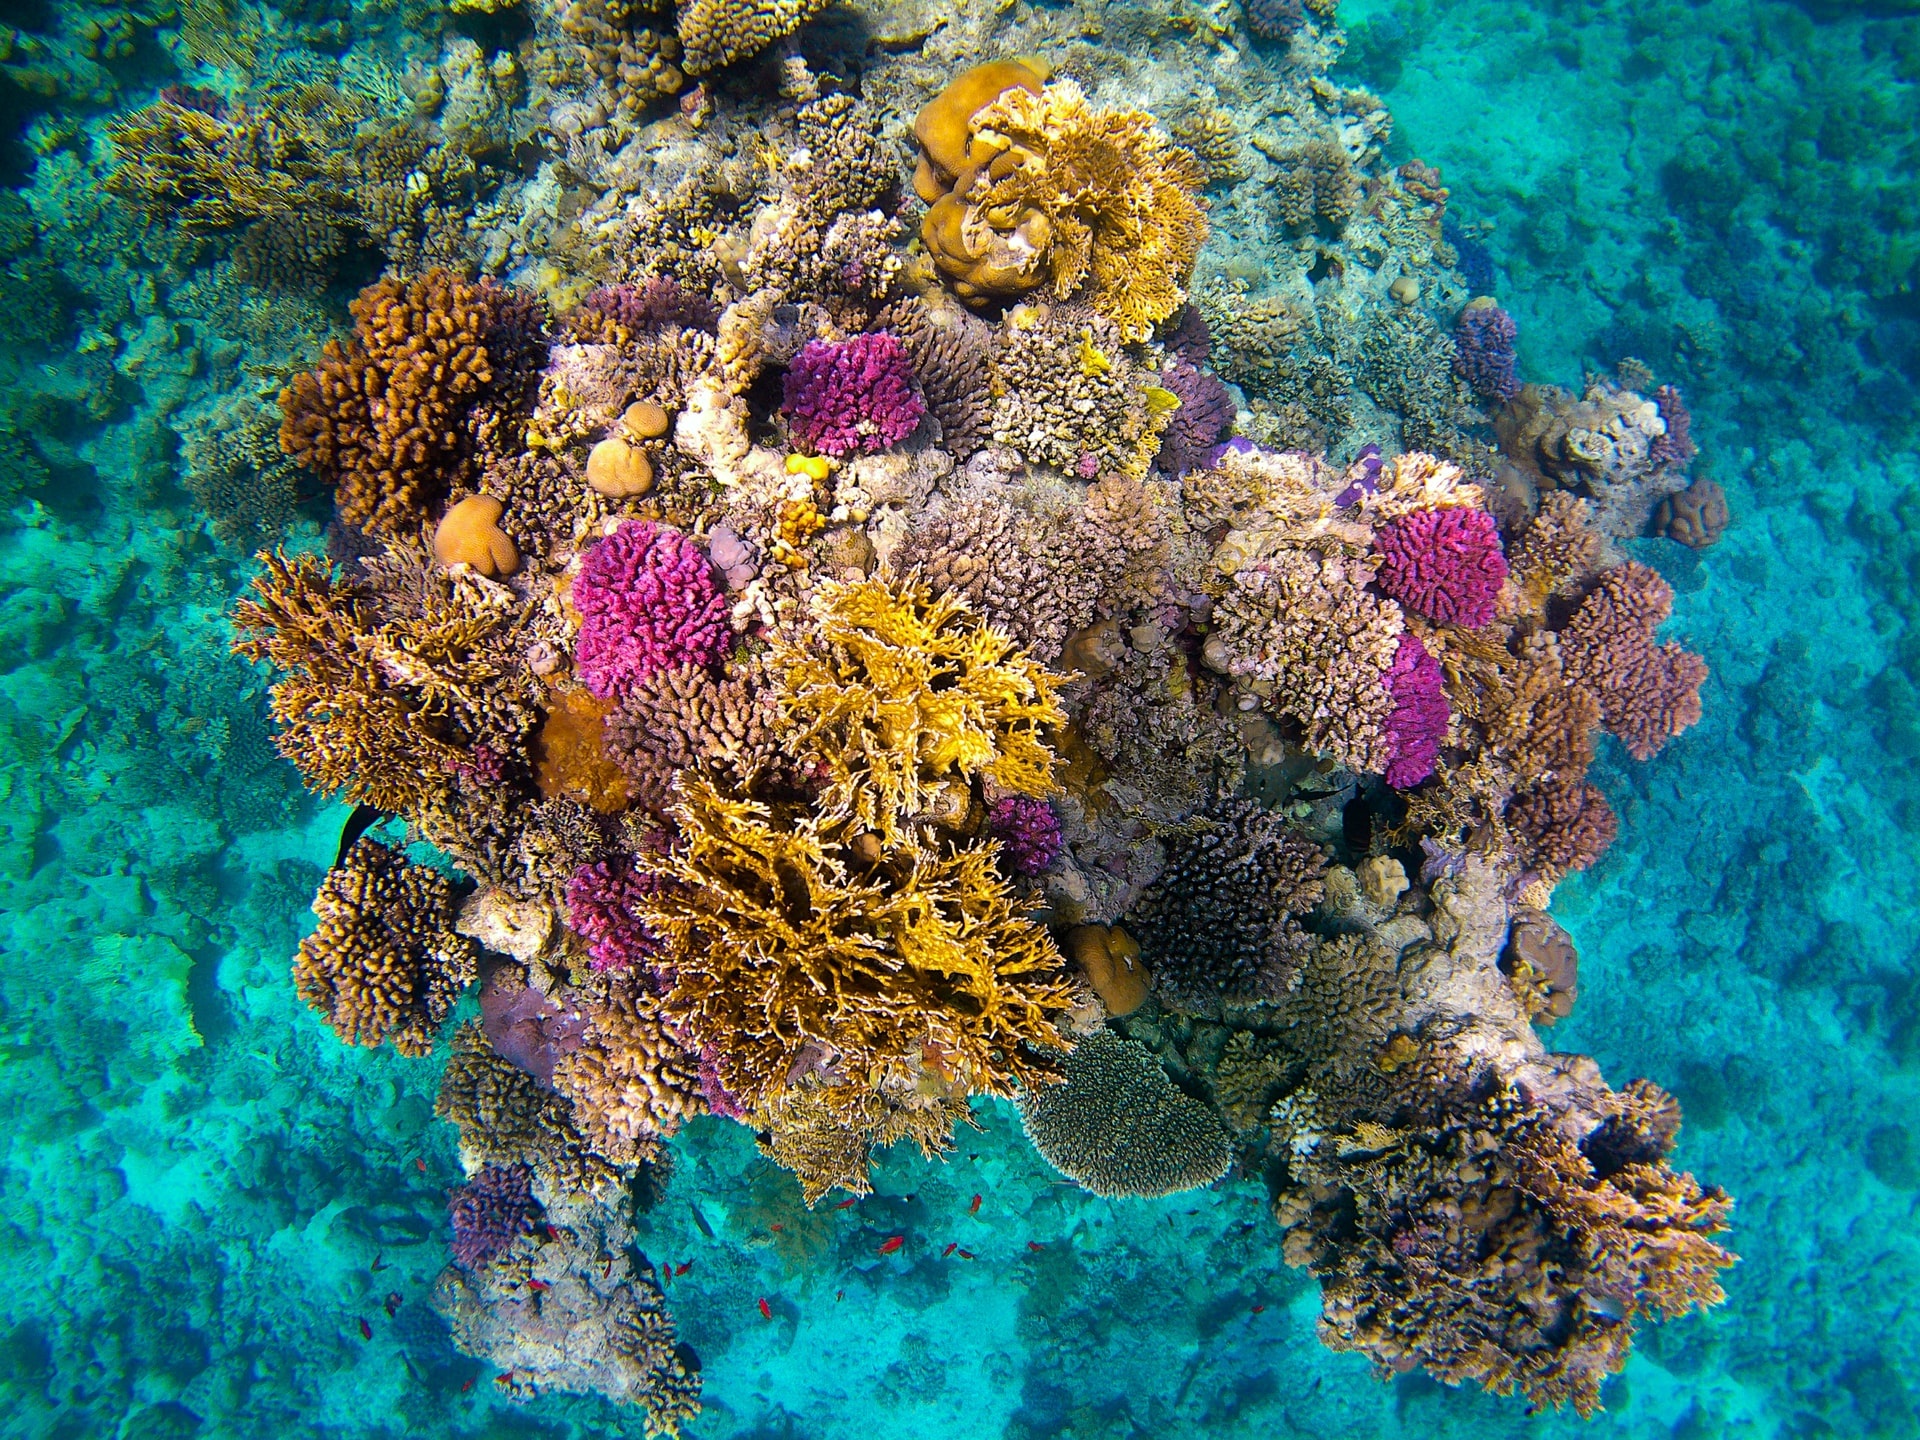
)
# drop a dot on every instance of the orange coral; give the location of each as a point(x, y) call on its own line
point(1648, 693)
point(571, 756)
point(381, 417)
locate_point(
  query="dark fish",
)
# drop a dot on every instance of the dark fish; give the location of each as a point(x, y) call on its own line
point(701, 1221)
point(363, 819)
point(366, 1330)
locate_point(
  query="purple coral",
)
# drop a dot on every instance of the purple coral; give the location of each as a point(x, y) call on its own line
point(1205, 414)
point(648, 601)
point(720, 1100)
point(1674, 449)
point(1028, 832)
point(530, 1029)
point(1483, 351)
point(601, 900)
point(1444, 564)
point(852, 396)
point(1419, 720)
point(1275, 19)
point(490, 1212)
point(1362, 477)
point(652, 306)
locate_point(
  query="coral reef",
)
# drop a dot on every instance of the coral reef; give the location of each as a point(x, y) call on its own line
point(1118, 1126)
point(716, 33)
point(1446, 565)
point(1648, 693)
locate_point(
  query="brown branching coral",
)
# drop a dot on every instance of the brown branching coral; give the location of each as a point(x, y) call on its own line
point(630, 1081)
point(1558, 552)
point(384, 963)
point(899, 696)
point(1562, 825)
point(951, 353)
point(1118, 1126)
point(826, 1135)
point(506, 1117)
point(789, 949)
point(684, 718)
point(382, 712)
point(381, 417)
point(1648, 693)
point(1051, 192)
point(1475, 1237)
point(1221, 924)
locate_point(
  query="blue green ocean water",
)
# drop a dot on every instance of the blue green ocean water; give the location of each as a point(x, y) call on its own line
point(205, 1195)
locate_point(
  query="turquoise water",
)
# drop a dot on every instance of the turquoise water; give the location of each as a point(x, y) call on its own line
point(206, 1195)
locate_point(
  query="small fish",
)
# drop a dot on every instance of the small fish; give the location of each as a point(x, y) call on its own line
point(505, 1377)
point(549, 1232)
point(950, 1249)
point(839, 1295)
point(393, 1302)
point(538, 1285)
point(966, 1254)
point(776, 1229)
point(606, 1270)
point(666, 1273)
point(366, 1330)
point(1035, 1245)
point(892, 1243)
point(420, 1165)
point(766, 1310)
point(700, 1220)
point(682, 1269)
point(378, 1263)
point(848, 1203)
point(1259, 1309)
point(466, 1384)
point(974, 1208)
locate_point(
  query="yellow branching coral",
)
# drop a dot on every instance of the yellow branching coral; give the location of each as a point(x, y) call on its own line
point(715, 33)
point(826, 1134)
point(902, 698)
point(792, 953)
point(208, 172)
point(1056, 193)
point(384, 963)
point(368, 709)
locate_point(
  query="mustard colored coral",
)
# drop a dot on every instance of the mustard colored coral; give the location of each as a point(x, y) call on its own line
point(717, 33)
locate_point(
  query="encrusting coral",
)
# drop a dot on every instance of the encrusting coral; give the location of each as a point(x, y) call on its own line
point(384, 963)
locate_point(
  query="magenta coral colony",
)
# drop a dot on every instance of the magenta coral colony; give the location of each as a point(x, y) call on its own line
point(840, 775)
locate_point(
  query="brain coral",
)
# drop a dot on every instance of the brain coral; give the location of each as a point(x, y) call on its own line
point(1221, 922)
point(1118, 1126)
point(381, 417)
point(1445, 564)
point(648, 600)
point(845, 397)
point(384, 963)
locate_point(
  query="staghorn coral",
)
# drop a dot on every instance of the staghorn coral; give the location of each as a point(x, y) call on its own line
point(490, 1212)
point(898, 695)
point(1222, 922)
point(630, 1080)
point(384, 963)
point(1445, 564)
point(1648, 693)
point(1069, 396)
point(647, 600)
point(718, 33)
point(853, 396)
point(1476, 1238)
point(1118, 1127)
point(868, 964)
point(1051, 192)
point(1303, 627)
point(575, 1309)
point(380, 418)
point(684, 718)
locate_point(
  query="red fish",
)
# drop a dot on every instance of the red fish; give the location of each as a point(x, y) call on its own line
point(892, 1243)
point(1035, 1245)
point(420, 1165)
point(848, 1203)
point(366, 1330)
point(549, 1232)
point(682, 1269)
point(466, 1384)
point(1258, 1309)
point(666, 1273)
point(505, 1377)
point(378, 1263)
point(538, 1285)
point(393, 1302)
point(839, 1295)
point(950, 1249)
point(776, 1229)
point(974, 1208)
point(766, 1310)
point(966, 1254)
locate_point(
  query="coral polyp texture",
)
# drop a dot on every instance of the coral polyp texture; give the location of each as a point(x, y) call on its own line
point(855, 680)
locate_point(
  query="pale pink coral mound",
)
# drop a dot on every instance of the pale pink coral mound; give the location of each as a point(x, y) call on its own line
point(1444, 564)
point(1418, 723)
point(648, 600)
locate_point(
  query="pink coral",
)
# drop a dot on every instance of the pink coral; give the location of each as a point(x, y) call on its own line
point(1444, 564)
point(648, 601)
point(1028, 832)
point(601, 900)
point(852, 397)
point(1419, 720)
point(1648, 692)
